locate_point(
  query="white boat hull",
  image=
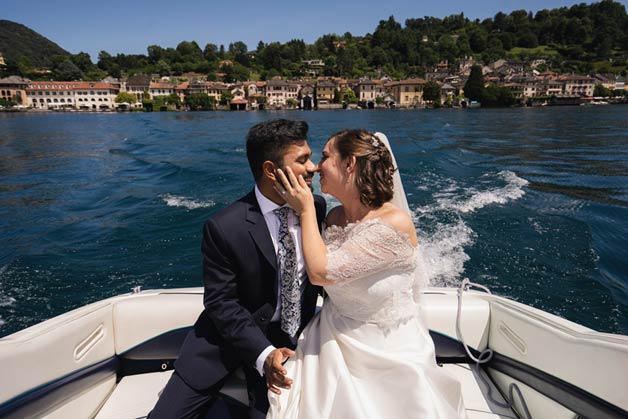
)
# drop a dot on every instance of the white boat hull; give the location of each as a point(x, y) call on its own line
point(111, 358)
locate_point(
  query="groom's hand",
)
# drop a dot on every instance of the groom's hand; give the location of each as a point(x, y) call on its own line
point(274, 371)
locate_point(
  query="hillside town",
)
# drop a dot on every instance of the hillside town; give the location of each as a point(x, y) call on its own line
point(526, 82)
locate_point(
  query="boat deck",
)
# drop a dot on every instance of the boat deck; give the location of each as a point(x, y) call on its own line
point(135, 395)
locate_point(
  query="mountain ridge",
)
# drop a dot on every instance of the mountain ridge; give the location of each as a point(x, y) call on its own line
point(18, 41)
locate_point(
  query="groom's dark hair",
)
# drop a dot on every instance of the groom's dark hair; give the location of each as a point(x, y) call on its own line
point(268, 140)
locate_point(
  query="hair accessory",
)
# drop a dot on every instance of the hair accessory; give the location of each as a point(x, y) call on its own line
point(375, 142)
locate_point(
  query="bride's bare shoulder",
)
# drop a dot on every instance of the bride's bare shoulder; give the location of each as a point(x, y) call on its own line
point(399, 220)
point(335, 216)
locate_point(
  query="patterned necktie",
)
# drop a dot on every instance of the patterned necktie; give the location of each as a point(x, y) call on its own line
point(288, 275)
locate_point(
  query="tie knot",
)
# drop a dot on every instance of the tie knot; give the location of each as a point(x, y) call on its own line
point(282, 213)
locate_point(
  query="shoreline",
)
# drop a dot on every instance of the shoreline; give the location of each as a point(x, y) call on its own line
point(350, 108)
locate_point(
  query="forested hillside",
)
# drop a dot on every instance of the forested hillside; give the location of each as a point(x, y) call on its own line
point(24, 47)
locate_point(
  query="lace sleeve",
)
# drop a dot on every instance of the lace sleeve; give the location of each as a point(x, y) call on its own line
point(369, 249)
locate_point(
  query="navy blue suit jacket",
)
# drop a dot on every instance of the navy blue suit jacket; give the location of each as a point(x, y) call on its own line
point(240, 279)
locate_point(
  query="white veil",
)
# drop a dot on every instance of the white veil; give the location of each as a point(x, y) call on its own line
point(399, 197)
point(400, 200)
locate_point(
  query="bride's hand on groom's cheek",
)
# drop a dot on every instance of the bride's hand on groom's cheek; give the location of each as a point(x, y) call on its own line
point(274, 371)
point(295, 191)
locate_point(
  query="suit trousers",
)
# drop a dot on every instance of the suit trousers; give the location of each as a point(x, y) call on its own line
point(180, 401)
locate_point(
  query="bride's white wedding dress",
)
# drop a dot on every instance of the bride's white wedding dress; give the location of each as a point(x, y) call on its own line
point(368, 354)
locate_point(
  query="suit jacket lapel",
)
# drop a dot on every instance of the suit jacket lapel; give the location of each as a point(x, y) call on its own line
point(259, 231)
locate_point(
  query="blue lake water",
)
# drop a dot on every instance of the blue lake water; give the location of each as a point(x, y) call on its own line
point(530, 202)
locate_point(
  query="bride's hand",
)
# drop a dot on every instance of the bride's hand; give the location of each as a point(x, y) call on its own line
point(295, 191)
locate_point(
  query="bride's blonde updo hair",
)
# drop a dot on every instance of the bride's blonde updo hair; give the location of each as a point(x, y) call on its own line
point(374, 165)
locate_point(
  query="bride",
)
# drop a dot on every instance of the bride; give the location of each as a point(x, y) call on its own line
point(367, 354)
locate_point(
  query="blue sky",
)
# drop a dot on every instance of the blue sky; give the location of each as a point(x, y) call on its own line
point(130, 26)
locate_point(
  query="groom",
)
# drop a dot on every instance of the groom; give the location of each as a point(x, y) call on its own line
point(257, 297)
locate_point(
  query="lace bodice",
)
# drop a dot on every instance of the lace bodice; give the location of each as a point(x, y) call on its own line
point(374, 268)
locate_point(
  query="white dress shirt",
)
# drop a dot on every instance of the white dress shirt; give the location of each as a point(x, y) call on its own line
point(267, 208)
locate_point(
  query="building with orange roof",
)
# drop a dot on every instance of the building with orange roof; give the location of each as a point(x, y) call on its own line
point(85, 95)
point(325, 91)
point(576, 84)
point(407, 92)
point(180, 90)
point(160, 89)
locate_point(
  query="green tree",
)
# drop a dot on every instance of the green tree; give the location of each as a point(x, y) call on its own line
point(350, 96)
point(600, 90)
point(190, 51)
point(82, 61)
point(159, 104)
point(237, 47)
point(125, 97)
point(66, 70)
point(235, 72)
point(95, 74)
point(474, 87)
point(173, 99)
point(155, 53)
point(211, 52)
point(478, 41)
point(199, 102)
point(226, 97)
point(431, 91)
point(24, 66)
point(147, 104)
point(162, 68)
point(497, 96)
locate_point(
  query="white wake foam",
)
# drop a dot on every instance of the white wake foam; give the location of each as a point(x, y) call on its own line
point(6, 301)
point(181, 201)
point(443, 252)
point(442, 229)
point(474, 199)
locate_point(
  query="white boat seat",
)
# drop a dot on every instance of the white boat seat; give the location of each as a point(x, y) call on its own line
point(136, 395)
point(479, 394)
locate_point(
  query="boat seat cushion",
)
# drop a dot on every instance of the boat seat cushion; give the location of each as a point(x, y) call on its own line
point(135, 395)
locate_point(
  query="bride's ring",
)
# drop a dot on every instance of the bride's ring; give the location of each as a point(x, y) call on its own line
point(283, 192)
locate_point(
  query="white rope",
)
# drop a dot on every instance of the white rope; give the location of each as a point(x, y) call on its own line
point(486, 355)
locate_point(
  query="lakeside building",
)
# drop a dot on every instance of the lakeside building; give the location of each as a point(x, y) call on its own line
point(365, 91)
point(279, 92)
point(325, 91)
point(577, 85)
point(160, 89)
point(180, 90)
point(14, 88)
point(137, 84)
point(211, 89)
point(83, 95)
point(408, 93)
point(527, 85)
point(256, 94)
